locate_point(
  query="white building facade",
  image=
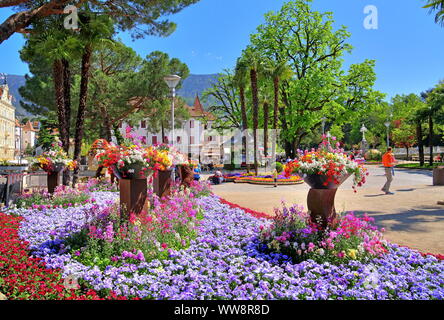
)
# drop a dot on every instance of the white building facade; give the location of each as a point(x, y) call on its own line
point(195, 138)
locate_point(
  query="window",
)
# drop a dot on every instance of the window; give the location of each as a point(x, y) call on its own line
point(179, 139)
point(191, 124)
point(166, 139)
point(210, 138)
point(154, 140)
point(143, 124)
point(191, 140)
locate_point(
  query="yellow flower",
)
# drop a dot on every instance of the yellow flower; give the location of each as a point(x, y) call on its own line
point(352, 253)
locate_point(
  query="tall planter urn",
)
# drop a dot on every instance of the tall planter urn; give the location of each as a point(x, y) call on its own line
point(162, 183)
point(133, 188)
point(54, 177)
point(186, 175)
point(321, 198)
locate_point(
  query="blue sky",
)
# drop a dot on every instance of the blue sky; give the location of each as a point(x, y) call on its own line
point(408, 46)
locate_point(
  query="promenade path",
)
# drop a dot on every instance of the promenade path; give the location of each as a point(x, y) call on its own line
point(411, 216)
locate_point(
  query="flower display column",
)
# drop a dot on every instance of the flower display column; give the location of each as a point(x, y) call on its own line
point(162, 183)
point(133, 195)
point(321, 198)
point(53, 181)
point(186, 175)
point(324, 170)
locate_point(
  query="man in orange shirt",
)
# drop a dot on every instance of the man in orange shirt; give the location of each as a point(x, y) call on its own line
point(388, 161)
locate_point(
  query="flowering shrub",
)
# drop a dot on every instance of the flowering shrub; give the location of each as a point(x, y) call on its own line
point(98, 184)
point(50, 160)
point(63, 197)
point(200, 189)
point(333, 163)
point(110, 240)
point(22, 277)
point(293, 235)
point(127, 160)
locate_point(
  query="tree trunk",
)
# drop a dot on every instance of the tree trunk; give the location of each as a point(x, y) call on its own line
point(67, 102)
point(163, 132)
point(431, 138)
point(117, 133)
point(244, 126)
point(86, 63)
point(266, 116)
point(407, 151)
point(254, 89)
point(275, 116)
point(420, 142)
point(106, 123)
point(21, 20)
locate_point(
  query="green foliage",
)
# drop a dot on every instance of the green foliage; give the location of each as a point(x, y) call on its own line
point(373, 155)
point(305, 39)
point(437, 7)
point(46, 138)
point(279, 167)
point(404, 136)
point(64, 198)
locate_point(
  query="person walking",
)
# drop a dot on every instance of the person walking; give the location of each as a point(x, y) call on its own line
point(275, 175)
point(388, 161)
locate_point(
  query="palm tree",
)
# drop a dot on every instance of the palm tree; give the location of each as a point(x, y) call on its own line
point(93, 31)
point(438, 7)
point(277, 71)
point(252, 57)
point(241, 81)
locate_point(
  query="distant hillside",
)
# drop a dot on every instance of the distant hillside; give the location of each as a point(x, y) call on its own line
point(194, 84)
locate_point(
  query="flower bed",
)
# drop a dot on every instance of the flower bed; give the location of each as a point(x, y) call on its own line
point(226, 261)
point(23, 277)
point(269, 180)
point(264, 179)
point(63, 197)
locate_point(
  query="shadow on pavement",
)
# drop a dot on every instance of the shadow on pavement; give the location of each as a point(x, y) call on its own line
point(407, 220)
point(428, 173)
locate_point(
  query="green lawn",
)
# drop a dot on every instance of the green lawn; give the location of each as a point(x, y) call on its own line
point(417, 166)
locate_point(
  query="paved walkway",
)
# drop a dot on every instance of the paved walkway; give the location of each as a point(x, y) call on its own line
point(411, 216)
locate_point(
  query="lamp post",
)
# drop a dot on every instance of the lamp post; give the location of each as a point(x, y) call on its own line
point(323, 125)
point(328, 137)
point(364, 141)
point(387, 124)
point(172, 81)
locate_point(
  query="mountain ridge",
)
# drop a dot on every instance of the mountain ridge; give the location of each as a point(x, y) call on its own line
point(194, 84)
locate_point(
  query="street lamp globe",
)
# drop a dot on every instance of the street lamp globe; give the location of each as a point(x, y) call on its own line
point(172, 80)
point(387, 124)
